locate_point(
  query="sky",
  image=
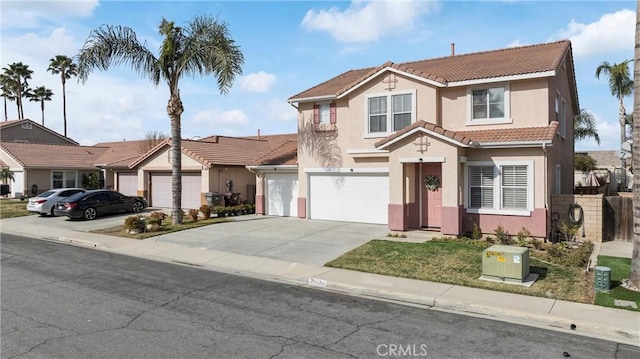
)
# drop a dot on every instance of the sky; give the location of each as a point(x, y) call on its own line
point(290, 46)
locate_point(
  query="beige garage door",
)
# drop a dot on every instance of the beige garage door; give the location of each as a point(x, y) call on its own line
point(161, 190)
point(128, 183)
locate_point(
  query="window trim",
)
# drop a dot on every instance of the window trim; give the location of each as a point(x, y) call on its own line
point(497, 188)
point(64, 178)
point(27, 126)
point(389, 96)
point(507, 105)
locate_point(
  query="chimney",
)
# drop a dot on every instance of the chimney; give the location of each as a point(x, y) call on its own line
point(258, 134)
point(453, 48)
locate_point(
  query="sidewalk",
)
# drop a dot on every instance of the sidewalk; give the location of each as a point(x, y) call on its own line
point(594, 321)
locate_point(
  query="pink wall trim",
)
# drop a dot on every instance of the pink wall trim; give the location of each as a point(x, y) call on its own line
point(451, 220)
point(302, 207)
point(397, 220)
point(536, 224)
point(260, 204)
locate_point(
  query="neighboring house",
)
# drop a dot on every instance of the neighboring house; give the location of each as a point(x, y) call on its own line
point(27, 131)
point(214, 164)
point(115, 163)
point(39, 167)
point(612, 165)
point(277, 180)
point(493, 128)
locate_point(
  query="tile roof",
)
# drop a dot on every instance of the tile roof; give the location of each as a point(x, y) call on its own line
point(285, 154)
point(482, 137)
point(35, 155)
point(120, 154)
point(474, 66)
point(217, 150)
point(606, 159)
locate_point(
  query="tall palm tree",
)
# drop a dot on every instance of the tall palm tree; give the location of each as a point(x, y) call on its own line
point(64, 66)
point(621, 86)
point(17, 75)
point(634, 275)
point(7, 94)
point(41, 94)
point(584, 126)
point(6, 174)
point(203, 47)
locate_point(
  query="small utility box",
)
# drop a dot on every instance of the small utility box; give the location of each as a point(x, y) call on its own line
point(506, 263)
point(602, 282)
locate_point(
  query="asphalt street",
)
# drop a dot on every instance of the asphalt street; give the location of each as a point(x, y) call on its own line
point(65, 301)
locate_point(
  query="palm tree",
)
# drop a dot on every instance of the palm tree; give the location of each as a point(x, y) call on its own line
point(6, 174)
point(41, 94)
point(17, 75)
point(203, 47)
point(621, 86)
point(7, 94)
point(584, 126)
point(634, 275)
point(64, 66)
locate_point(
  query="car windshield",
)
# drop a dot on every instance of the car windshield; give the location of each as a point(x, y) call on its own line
point(74, 197)
point(46, 194)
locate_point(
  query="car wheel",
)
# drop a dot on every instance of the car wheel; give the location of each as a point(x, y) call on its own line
point(89, 214)
point(52, 214)
point(42, 214)
point(137, 207)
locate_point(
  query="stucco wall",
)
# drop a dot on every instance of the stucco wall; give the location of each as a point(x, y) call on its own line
point(33, 135)
point(592, 206)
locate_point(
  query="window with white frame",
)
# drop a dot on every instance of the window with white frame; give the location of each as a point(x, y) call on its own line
point(563, 118)
point(324, 113)
point(27, 126)
point(390, 112)
point(64, 179)
point(489, 104)
point(500, 187)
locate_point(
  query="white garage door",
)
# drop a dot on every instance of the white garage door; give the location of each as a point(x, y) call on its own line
point(349, 197)
point(161, 190)
point(282, 194)
point(128, 183)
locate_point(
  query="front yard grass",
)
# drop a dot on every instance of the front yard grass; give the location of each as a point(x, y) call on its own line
point(166, 227)
point(460, 263)
point(13, 208)
point(619, 270)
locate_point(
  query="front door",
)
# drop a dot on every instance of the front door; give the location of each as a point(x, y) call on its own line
point(431, 198)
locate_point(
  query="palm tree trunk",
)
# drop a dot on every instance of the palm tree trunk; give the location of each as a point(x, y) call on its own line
point(622, 119)
point(175, 109)
point(42, 109)
point(64, 104)
point(634, 275)
point(6, 114)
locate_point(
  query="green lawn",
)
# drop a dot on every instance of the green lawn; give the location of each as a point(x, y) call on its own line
point(619, 270)
point(13, 208)
point(460, 263)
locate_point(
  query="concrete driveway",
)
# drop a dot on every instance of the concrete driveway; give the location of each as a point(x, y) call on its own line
point(283, 238)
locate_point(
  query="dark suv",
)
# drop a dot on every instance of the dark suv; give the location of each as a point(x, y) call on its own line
point(90, 204)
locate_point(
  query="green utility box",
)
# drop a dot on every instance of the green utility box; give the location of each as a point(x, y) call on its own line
point(506, 263)
point(602, 282)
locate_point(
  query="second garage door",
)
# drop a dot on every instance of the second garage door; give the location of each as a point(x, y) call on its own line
point(161, 190)
point(282, 194)
point(349, 197)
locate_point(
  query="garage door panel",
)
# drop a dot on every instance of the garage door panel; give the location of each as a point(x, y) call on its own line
point(161, 194)
point(351, 198)
point(282, 194)
point(128, 183)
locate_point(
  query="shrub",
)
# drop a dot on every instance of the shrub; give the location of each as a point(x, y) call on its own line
point(221, 211)
point(502, 235)
point(153, 220)
point(556, 250)
point(134, 223)
point(193, 214)
point(477, 233)
point(569, 230)
point(584, 163)
point(206, 211)
point(161, 216)
point(523, 234)
point(537, 244)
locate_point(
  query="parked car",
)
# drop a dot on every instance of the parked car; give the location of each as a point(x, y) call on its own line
point(44, 202)
point(90, 204)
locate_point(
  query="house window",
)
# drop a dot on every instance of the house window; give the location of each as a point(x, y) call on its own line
point(563, 118)
point(558, 108)
point(500, 188)
point(324, 113)
point(27, 125)
point(64, 179)
point(389, 112)
point(489, 105)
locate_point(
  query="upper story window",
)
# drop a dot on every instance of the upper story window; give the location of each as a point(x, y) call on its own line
point(488, 105)
point(388, 113)
point(27, 125)
point(324, 113)
point(561, 115)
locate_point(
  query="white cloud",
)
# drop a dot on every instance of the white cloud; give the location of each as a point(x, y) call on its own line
point(214, 117)
point(366, 21)
point(612, 32)
point(258, 82)
point(31, 13)
point(280, 110)
point(515, 43)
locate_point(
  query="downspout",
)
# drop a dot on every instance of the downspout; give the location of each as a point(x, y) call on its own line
point(546, 195)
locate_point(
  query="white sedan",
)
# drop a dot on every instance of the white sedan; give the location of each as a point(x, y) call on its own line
point(45, 201)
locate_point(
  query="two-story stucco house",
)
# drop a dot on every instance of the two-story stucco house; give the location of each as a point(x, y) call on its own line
point(483, 138)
